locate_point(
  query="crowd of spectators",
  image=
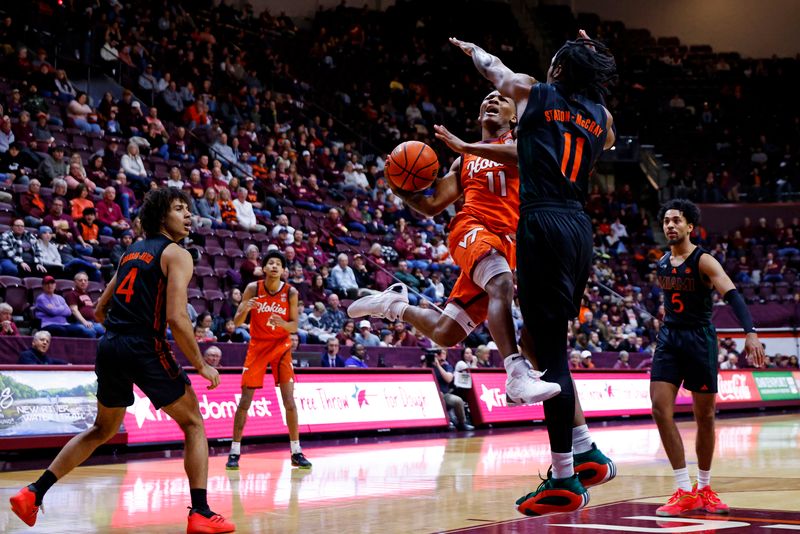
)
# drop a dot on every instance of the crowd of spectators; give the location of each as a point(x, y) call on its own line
point(278, 134)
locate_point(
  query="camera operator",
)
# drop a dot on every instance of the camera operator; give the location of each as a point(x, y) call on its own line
point(436, 359)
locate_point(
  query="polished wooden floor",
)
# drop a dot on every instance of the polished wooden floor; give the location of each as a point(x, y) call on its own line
point(400, 485)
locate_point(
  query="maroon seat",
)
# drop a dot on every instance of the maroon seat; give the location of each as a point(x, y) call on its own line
point(199, 304)
point(16, 296)
point(64, 285)
point(219, 262)
point(193, 292)
point(202, 271)
point(211, 282)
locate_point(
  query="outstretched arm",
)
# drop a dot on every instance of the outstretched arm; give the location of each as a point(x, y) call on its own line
point(723, 284)
point(511, 84)
point(446, 191)
point(501, 153)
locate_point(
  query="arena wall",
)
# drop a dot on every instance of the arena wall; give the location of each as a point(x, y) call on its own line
point(754, 29)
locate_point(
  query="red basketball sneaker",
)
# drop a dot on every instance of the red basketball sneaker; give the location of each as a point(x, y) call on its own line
point(24, 505)
point(681, 501)
point(200, 524)
point(710, 502)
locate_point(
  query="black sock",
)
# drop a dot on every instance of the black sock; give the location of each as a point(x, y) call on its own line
point(199, 500)
point(41, 486)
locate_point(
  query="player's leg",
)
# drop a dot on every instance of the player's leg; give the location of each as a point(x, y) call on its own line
point(548, 339)
point(704, 406)
point(592, 466)
point(283, 372)
point(662, 396)
point(27, 501)
point(702, 382)
point(115, 354)
point(239, 420)
point(186, 413)
point(440, 328)
point(255, 367)
point(554, 255)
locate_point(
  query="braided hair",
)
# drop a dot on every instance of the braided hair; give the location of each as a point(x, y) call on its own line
point(587, 68)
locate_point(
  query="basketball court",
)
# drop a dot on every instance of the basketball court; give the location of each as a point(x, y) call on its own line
point(432, 483)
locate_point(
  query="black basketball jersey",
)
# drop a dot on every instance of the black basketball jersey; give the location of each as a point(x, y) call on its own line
point(139, 304)
point(687, 298)
point(559, 139)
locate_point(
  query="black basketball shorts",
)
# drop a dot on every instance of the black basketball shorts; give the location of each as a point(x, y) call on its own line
point(554, 257)
point(147, 361)
point(686, 356)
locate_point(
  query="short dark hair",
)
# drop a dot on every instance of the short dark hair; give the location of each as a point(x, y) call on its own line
point(587, 67)
point(688, 209)
point(274, 254)
point(156, 205)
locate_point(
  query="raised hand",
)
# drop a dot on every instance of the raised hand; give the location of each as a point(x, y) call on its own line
point(452, 141)
point(466, 47)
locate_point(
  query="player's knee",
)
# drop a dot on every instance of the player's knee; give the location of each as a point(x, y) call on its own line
point(661, 411)
point(103, 432)
point(704, 418)
point(501, 287)
point(289, 405)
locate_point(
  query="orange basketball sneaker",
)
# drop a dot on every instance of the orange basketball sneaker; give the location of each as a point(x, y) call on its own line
point(200, 524)
point(680, 502)
point(710, 501)
point(24, 505)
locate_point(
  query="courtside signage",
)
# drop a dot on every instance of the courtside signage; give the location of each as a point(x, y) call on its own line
point(777, 385)
point(36, 403)
point(325, 403)
point(145, 424)
point(340, 402)
point(617, 394)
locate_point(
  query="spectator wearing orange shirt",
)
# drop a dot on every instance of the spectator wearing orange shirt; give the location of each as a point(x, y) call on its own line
point(80, 202)
point(88, 227)
point(32, 204)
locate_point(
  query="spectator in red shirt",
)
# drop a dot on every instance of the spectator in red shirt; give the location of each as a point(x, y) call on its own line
point(81, 305)
point(110, 214)
point(402, 337)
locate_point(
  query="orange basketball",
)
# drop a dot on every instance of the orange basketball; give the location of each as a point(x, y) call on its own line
point(412, 166)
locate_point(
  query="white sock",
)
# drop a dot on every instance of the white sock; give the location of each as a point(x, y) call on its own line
point(682, 479)
point(236, 447)
point(703, 478)
point(398, 309)
point(562, 464)
point(581, 439)
point(295, 446)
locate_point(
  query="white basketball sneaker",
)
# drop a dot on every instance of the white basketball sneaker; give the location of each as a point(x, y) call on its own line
point(380, 304)
point(524, 384)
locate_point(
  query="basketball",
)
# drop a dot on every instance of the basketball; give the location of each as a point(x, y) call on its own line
point(412, 166)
